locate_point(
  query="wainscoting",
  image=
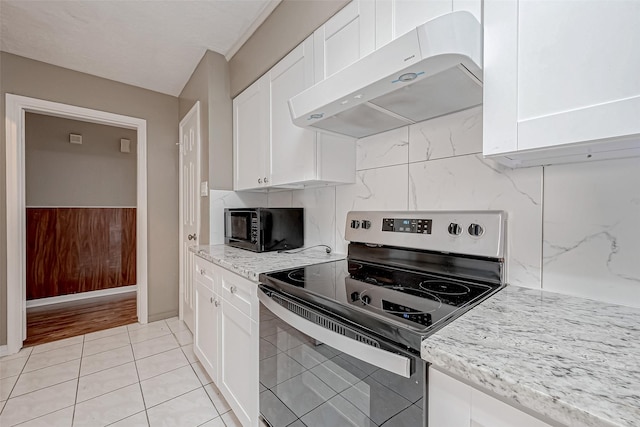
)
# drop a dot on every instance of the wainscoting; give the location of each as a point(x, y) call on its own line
point(72, 250)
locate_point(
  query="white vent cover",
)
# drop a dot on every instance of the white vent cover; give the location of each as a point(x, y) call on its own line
point(75, 138)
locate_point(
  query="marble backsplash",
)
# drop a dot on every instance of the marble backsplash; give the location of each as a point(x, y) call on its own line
point(571, 228)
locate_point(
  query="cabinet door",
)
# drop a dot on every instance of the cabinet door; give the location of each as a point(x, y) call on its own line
point(207, 324)
point(558, 74)
point(397, 17)
point(449, 401)
point(579, 75)
point(240, 292)
point(239, 360)
point(346, 37)
point(251, 152)
point(292, 147)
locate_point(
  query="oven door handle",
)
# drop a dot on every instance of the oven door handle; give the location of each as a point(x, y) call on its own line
point(395, 363)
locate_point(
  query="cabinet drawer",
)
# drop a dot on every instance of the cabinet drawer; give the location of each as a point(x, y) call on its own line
point(240, 293)
point(232, 314)
point(204, 274)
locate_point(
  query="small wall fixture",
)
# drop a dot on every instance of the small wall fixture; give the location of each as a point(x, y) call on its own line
point(75, 138)
point(125, 145)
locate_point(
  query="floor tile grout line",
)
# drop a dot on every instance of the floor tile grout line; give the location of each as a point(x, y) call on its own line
point(41, 416)
point(110, 391)
point(132, 415)
point(144, 403)
point(104, 351)
point(55, 348)
point(45, 387)
point(16, 383)
point(75, 400)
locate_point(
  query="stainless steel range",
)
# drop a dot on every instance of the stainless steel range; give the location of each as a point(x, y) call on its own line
point(340, 341)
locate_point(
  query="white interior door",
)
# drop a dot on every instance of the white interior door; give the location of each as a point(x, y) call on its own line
point(189, 208)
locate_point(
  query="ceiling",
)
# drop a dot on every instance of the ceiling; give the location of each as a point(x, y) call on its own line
point(154, 44)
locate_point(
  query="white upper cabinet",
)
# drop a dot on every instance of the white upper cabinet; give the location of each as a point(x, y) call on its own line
point(251, 124)
point(292, 146)
point(397, 17)
point(269, 150)
point(346, 37)
point(561, 80)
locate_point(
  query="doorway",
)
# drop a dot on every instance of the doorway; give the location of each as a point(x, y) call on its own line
point(16, 109)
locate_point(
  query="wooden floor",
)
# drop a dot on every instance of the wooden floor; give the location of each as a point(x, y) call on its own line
point(65, 320)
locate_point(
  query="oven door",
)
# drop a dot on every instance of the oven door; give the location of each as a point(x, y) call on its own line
point(313, 375)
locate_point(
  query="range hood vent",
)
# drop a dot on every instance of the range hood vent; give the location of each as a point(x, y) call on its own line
point(429, 72)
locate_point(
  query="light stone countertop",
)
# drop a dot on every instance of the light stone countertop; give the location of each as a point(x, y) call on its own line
point(574, 360)
point(250, 264)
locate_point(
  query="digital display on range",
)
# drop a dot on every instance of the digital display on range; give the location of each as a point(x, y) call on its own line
point(407, 225)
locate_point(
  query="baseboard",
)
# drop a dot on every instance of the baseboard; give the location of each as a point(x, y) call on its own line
point(162, 316)
point(4, 350)
point(80, 296)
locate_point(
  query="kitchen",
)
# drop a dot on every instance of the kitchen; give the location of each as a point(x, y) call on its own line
point(584, 247)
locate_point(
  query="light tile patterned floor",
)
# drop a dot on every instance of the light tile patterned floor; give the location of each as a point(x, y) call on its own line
point(135, 375)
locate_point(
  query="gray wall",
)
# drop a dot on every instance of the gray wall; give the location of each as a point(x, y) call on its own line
point(288, 25)
point(95, 173)
point(35, 79)
point(209, 84)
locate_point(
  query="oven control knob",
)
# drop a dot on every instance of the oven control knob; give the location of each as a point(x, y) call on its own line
point(366, 299)
point(355, 296)
point(476, 230)
point(366, 224)
point(455, 229)
point(355, 223)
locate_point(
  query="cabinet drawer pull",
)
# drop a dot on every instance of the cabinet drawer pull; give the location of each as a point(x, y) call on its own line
point(216, 303)
point(265, 180)
point(233, 289)
point(259, 181)
point(211, 300)
point(202, 271)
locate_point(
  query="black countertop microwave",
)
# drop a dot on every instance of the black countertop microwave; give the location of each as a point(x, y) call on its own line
point(264, 229)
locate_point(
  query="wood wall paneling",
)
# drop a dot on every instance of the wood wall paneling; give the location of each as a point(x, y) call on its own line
point(71, 250)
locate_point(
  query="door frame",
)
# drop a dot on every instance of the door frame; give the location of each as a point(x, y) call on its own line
point(194, 110)
point(16, 107)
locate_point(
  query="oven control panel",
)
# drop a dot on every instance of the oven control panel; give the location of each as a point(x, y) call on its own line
point(480, 233)
point(407, 225)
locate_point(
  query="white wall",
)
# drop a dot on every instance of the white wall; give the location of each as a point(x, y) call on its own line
point(589, 212)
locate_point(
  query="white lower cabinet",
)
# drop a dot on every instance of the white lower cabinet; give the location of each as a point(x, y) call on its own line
point(207, 317)
point(205, 344)
point(449, 401)
point(239, 341)
point(226, 336)
point(453, 403)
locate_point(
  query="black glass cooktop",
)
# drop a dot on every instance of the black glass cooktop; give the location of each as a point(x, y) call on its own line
point(401, 297)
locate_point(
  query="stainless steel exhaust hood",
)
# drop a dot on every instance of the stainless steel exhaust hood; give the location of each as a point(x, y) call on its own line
point(429, 72)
